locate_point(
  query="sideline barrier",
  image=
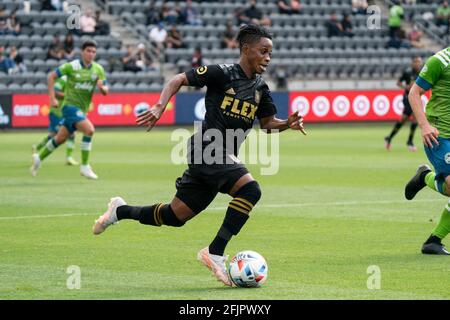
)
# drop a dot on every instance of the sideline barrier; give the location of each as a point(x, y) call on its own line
point(115, 109)
point(120, 109)
point(350, 105)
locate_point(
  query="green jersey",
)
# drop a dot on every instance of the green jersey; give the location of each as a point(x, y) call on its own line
point(436, 75)
point(395, 16)
point(444, 12)
point(81, 82)
point(60, 85)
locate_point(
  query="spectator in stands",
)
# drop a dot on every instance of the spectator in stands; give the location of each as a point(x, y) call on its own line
point(6, 64)
point(87, 23)
point(130, 60)
point(4, 30)
point(144, 61)
point(137, 60)
point(415, 36)
point(359, 6)
point(443, 14)
point(197, 58)
point(347, 26)
point(51, 5)
point(399, 40)
point(152, 15)
point(229, 37)
point(19, 65)
point(158, 37)
point(252, 15)
point(174, 39)
point(13, 23)
point(289, 6)
point(334, 28)
point(69, 47)
point(170, 15)
point(190, 16)
point(55, 50)
point(102, 27)
point(396, 15)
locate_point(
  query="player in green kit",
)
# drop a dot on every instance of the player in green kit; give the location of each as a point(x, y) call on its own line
point(83, 76)
point(435, 126)
point(55, 117)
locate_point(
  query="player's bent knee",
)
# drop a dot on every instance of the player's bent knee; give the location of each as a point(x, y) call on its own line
point(169, 217)
point(250, 192)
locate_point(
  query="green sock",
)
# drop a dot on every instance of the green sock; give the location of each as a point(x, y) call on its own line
point(443, 227)
point(50, 146)
point(70, 144)
point(431, 183)
point(86, 146)
point(41, 144)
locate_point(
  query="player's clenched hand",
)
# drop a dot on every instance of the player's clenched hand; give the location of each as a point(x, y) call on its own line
point(429, 135)
point(150, 117)
point(295, 122)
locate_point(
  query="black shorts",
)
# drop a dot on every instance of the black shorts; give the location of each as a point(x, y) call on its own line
point(407, 110)
point(200, 183)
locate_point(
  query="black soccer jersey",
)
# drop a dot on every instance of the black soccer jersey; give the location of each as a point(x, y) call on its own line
point(408, 76)
point(232, 100)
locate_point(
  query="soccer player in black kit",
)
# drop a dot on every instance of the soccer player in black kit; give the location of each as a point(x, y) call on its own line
point(406, 81)
point(236, 95)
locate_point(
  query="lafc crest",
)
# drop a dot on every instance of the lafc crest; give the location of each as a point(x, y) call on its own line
point(202, 70)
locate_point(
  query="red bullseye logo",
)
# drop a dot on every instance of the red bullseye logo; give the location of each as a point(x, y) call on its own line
point(381, 105)
point(341, 106)
point(398, 105)
point(300, 104)
point(361, 106)
point(321, 106)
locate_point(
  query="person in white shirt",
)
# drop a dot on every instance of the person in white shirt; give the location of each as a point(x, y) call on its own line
point(158, 37)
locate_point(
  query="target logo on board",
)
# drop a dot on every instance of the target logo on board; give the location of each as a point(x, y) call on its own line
point(381, 105)
point(300, 104)
point(321, 106)
point(341, 106)
point(398, 105)
point(200, 109)
point(361, 106)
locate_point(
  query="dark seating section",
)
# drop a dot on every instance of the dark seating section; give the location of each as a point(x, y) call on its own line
point(301, 46)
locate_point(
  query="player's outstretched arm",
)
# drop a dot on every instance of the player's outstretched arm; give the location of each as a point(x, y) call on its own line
point(150, 117)
point(51, 88)
point(295, 122)
point(429, 133)
point(104, 89)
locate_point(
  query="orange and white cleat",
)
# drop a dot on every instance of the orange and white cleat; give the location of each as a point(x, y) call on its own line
point(109, 217)
point(216, 264)
point(387, 143)
point(412, 147)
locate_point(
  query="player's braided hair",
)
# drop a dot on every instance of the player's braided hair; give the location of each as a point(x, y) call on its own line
point(251, 33)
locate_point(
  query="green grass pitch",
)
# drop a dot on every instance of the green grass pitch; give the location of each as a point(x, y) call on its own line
point(334, 209)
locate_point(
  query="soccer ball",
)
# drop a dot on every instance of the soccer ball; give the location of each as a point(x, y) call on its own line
point(248, 269)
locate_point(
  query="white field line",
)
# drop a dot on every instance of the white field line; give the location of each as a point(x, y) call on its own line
point(284, 205)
